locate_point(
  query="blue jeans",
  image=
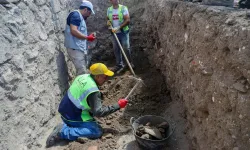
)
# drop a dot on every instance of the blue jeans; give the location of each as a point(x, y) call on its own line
point(72, 130)
point(124, 40)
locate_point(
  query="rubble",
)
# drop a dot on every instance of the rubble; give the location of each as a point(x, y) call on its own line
point(152, 132)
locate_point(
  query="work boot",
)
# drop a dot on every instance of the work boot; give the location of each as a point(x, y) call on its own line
point(54, 136)
point(132, 65)
point(125, 68)
point(116, 69)
point(121, 70)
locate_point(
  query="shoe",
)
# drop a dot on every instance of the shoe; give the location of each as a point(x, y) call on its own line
point(54, 136)
point(116, 68)
point(122, 69)
point(132, 65)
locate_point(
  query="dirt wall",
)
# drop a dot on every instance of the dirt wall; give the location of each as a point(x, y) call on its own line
point(203, 51)
point(204, 54)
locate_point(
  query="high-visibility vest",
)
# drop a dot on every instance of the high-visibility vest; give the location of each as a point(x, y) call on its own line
point(121, 10)
point(82, 86)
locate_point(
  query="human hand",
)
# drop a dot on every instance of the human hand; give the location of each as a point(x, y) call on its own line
point(109, 23)
point(94, 33)
point(114, 30)
point(122, 103)
point(91, 37)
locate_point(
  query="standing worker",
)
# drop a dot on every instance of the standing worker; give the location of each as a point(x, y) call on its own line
point(76, 37)
point(118, 18)
point(81, 104)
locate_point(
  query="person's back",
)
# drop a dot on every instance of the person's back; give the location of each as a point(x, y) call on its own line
point(81, 103)
point(75, 102)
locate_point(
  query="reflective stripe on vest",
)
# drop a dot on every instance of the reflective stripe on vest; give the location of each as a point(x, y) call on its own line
point(77, 102)
point(120, 15)
point(79, 91)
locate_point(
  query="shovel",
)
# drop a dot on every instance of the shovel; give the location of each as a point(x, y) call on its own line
point(124, 54)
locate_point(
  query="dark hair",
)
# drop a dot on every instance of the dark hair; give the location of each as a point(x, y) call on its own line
point(83, 7)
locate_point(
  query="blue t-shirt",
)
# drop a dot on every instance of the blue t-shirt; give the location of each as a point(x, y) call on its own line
point(74, 18)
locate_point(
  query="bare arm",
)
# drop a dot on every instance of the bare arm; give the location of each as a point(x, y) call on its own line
point(126, 21)
point(76, 33)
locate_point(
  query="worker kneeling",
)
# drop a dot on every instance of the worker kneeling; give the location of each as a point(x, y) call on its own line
point(81, 103)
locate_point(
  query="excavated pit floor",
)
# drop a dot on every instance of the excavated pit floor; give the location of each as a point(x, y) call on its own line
point(202, 51)
point(152, 99)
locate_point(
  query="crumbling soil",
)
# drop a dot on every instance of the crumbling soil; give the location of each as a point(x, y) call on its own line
point(195, 54)
point(193, 59)
point(152, 99)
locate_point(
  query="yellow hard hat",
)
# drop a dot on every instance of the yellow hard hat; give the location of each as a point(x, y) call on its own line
point(100, 68)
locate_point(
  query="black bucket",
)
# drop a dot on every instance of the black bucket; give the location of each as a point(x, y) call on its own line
point(148, 143)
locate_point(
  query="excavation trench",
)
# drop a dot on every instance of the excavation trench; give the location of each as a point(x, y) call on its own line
point(153, 98)
point(193, 59)
point(195, 67)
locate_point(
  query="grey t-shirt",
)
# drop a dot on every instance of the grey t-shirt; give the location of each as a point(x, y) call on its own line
point(97, 109)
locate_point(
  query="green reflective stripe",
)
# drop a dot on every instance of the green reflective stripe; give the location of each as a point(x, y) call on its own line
point(79, 91)
point(120, 15)
point(110, 14)
point(86, 116)
point(87, 92)
point(77, 121)
point(78, 86)
point(81, 103)
point(76, 102)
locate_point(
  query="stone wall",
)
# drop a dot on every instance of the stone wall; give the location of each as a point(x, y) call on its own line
point(33, 73)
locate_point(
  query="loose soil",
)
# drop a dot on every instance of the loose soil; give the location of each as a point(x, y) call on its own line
point(150, 99)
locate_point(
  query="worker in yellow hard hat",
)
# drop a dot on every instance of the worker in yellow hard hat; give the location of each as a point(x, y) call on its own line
point(81, 104)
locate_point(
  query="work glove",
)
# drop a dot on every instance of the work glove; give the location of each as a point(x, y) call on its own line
point(109, 23)
point(114, 30)
point(122, 103)
point(91, 37)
